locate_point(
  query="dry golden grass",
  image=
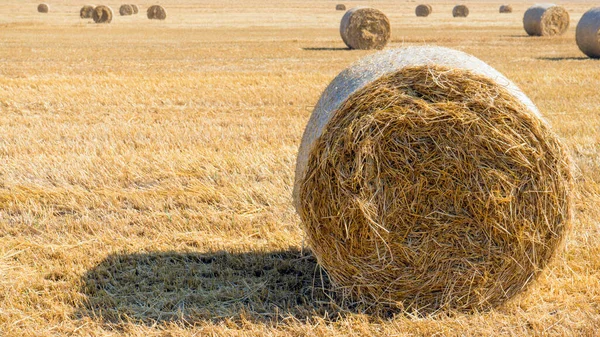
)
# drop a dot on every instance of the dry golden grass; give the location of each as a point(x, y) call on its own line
point(145, 185)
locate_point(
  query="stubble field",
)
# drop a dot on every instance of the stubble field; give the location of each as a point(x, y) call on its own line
point(146, 169)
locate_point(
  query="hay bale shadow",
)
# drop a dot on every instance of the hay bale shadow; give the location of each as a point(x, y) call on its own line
point(325, 48)
point(566, 58)
point(162, 287)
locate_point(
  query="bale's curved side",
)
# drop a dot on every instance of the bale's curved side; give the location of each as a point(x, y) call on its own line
point(506, 9)
point(423, 10)
point(588, 33)
point(43, 8)
point(365, 28)
point(125, 10)
point(156, 12)
point(460, 11)
point(86, 11)
point(135, 8)
point(340, 7)
point(102, 14)
point(415, 182)
point(546, 20)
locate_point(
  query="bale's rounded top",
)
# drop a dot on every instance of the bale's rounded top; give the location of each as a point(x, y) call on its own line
point(588, 33)
point(365, 28)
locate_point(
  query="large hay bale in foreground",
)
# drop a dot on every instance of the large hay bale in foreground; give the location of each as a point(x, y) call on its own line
point(423, 10)
point(588, 33)
point(340, 7)
point(43, 8)
point(135, 8)
point(156, 12)
point(86, 11)
point(506, 9)
point(365, 28)
point(102, 14)
point(426, 179)
point(126, 9)
point(460, 11)
point(546, 20)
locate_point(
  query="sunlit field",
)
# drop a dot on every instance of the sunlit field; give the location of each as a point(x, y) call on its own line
point(146, 168)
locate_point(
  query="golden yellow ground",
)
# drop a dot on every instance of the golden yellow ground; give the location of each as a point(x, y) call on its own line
point(146, 168)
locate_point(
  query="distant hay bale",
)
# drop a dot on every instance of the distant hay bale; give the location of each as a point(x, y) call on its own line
point(426, 179)
point(135, 8)
point(506, 9)
point(365, 28)
point(86, 11)
point(588, 33)
point(126, 9)
point(546, 20)
point(156, 12)
point(102, 14)
point(460, 11)
point(340, 7)
point(43, 8)
point(423, 10)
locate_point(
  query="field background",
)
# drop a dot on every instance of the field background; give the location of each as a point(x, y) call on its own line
point(146, 168)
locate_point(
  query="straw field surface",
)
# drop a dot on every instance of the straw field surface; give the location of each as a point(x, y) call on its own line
point(146, 169)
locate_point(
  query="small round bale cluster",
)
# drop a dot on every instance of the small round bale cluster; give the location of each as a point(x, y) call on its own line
point(86, 11)
point(135, 8)
point(426, 179)
point(365, 28)
point(42, 8)
point(126, 9)
point(340, 7)
point(506, 9)
point(102, 14)
point(546, 20)
point(460, 11)
point(423, 10)
point(588, 33)
point(156, 12)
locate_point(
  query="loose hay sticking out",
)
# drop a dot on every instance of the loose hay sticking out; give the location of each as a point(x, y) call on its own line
point(43, 8)
point(126, 10)
point(546, 20)
point(506, 9)
point(460, 11)
point(156, 12)
point(135, 8)
point(423, 10)
point(86, 11)
point(340, 7)
point(425, 179)
point(588, 33)
point(102, 14)
point(365, 28)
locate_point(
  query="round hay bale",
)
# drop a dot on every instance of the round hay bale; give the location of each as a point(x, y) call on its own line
point(506, 9)
point(102, 14)
point(43, 8)
point(460, 11)
point(426, 179)
point(546, 20)
point(135, 8)
point(156, 12)
point(365, 28)
point(423, 10)
point(126, 10)
point(588, 33)
point(86, 11)
point(340, 7)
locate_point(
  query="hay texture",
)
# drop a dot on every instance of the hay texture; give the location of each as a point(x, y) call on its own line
point(86, 11)
point(135, 8)
point(546, 20)
point(102, 14)
point(156, 12)
point(43, 8)
point(365, 28)
point(588, 33)
point(340, 7)
point(423, 10)
point(460, 11)
point(425, 179)
point(506, 9)
point(126, 10)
